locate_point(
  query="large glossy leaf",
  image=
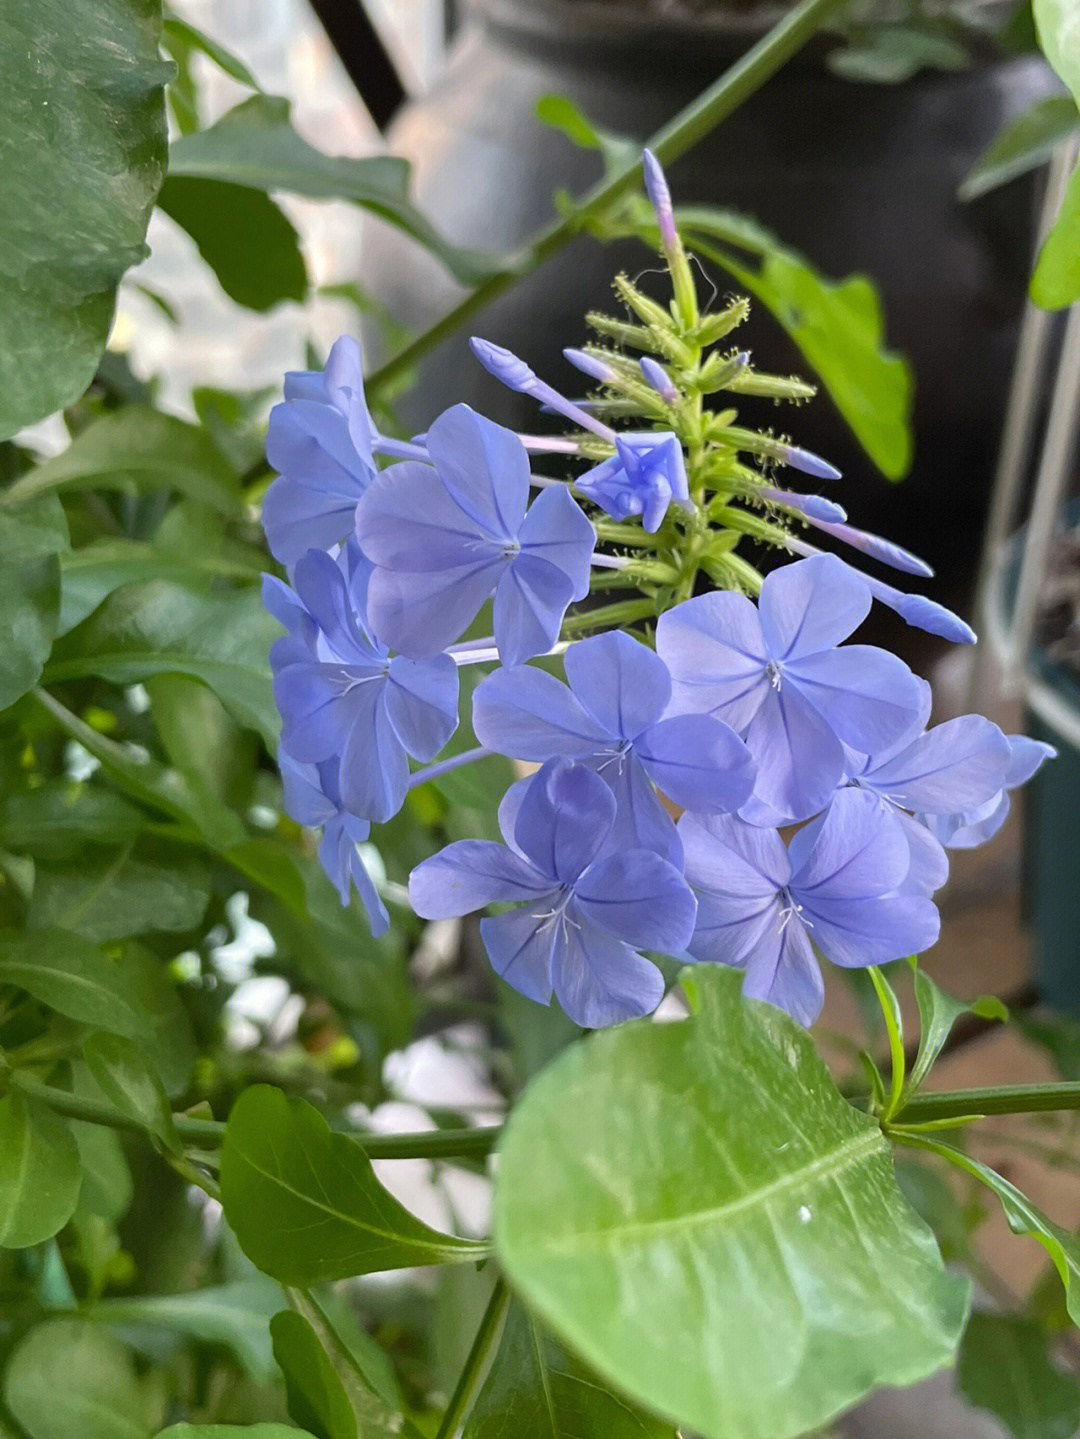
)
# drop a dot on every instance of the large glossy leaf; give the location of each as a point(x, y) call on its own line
point(40, 1176)
point(31, 539)
point(74, 977)
point(1024, 144)
point(71, 1379)
point(697, 1213)
point(82, 155)
point(326, 1397)
point(137, 448)
point(305, 1203)
point(162, 628)
point(255, 145)
point(536, 1390)
point(1004, 1366)
point(119, 895)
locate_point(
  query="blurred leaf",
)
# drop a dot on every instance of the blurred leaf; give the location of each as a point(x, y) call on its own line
point(162, 628)
point(1056, 281)
point(327, 1398)
point(137, 448)
point(938, 1012)
point(536, 1390)
point(119, 896)
point(82, 154)
point(75, 978)
point(236, 419)
point(1059, 37)
point(895, 52)
point(178, 34)
point(654, 1171)
point(124, 1074)
point(236, 1315)
point(107, 1185)
point(70, 1379)
point(1057, 1034)
point(305, 1204)
point(201, 737)
point(1005, 1367)
point(40, 1175)
point(60, 818)
point(150, 985)
point(31, 539)
point(255, 145)
point(233, 1431)
point(270, 864)
point(560, 112)
point(252, 248)
point(932, 1196)
point(1023, 144)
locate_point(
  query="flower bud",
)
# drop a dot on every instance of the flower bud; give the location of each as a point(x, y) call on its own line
point(659, 379)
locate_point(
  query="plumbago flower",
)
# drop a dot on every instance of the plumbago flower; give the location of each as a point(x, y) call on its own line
point(965, 826)
point(585, 912)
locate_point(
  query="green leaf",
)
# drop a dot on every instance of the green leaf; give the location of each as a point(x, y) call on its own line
point(59, 819)
point(938, 1012)
point(30, 541)
point(1056, 281)
point(305, 1203)
point(151, 987)
point(82, 153)
point(233, 1431)
point(124, 1074)
point(560, 112)
point(40, 1175)
point(74, 977)
point(178, 34)
point(328, 1399)
point(1057, 1034)
point(1059, 37)
point(1023, 144)
point(138, 449)
point(236, 1315)
point(201, 737)
point(1004, 1366)
point(162, 628)
point(697, 1213)
point(255, 145)
point(119, 896)
point(895, 53)
point(536, 1390)
point(107, 1184)
point(70, 1379)
point(252, 248)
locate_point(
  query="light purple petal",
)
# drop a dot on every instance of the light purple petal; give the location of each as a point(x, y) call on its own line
point(731, 931)
point(470, 874)
point(856, 850)
point(303, 798)
point(699, 762)
point(641, 821)
point(733, 860)
point(787, 974)
point(858, 932)
point(298, 517)
point(639, 898)
point(519, 947)
point(714, 650)
point(967, 831)
point(1026, 757)
point(952, 768)
point(799, 759)
point(420, 614)
point(484, 466)
point(868, 696)
point(528, 714)
point(344, 381)
point(325, 593)
point(809, 606)
point(421, 701)
point(344, 868)
point(309, 440)
point(530, 600)
point(374, 769)
point(564, 819)
point(288, 609)
point(408, 520)
point(320, 706)
point(557, 530)
point(929, 868)
point(599, 980)
point(625, 686)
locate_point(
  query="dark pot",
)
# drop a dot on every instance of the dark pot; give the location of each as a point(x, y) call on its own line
point(857, 176)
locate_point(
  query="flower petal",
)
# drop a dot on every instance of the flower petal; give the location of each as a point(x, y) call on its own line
point(733, 860)
point(714, 650)
point(699, 762)
point(528, 714)
point(625, 686)
point(557, 530)
point(564, 819)
point(531, 597)
point(470, 874)
point(929, 867)
point(868, 696)
point(519, 946)
point(640, 898)
point(950, 769)
point(799, 759)
point(641, 821)
point(855, 933)
point(855, 850)
point(422, 702)
point(374, 770)
point(787, 974)
point(420, 614)
point(810, 606)
point(408, 520)
point(599, 980)
point(485, 469)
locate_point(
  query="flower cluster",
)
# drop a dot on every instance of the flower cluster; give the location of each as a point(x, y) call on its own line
point(671, 755)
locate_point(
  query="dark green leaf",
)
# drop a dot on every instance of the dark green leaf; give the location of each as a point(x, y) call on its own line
point(82, 154)
point(699, 1215)
point(107, 1184)
point(233, 1431)
point(73, 977)
point(270, 864)
point(70, 1379)
point(938, 1012)
point(124, 1074)
point(236, 1315)
point(252, 248)
point(1004, 1366)
point(31, 538)
point(1057, 1034)
point(59, 819)
point(1022, 145)
point(137, 448)
point(201, 737)
point(325, 1397)
point(255, 145)
point(178, 33)
point(162, 628)
point(119, 896)
point(536, 1390)
point(897, 52)
point(305, 1203)
point(1056, 281)
point(152, 988)
point(40, 1175)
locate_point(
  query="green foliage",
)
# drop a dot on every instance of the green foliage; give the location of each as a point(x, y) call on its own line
point(327, 1393)
point(82, 162)
point(938, 1012)
point(1004, 1367)
point(305, 1203)
point(39, 1172)
point(654, 1170)
point(31, 539)
point(1023, 145)
point(1056, 281)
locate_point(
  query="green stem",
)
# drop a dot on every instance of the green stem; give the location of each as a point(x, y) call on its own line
point(483, 1347)
point(608, 616)
point(894, 1028)
point(210, 1133)
point(1000, 1099)
point(690, 125)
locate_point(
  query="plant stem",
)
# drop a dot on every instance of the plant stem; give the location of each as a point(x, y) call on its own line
point(483, 1346)
point(1000, 1099)
point(209, 1133)
point(607, 616)
point(690, 125)
point(456, 761)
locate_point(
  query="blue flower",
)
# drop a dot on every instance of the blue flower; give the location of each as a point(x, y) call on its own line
point(341, 694)
point(583, 912)
point(964, 829)
point(312, 798)
point(840, 889)
point(320, 442)
point(446, 537)
point(646, 472)
point(773, 672)
point(611, 715)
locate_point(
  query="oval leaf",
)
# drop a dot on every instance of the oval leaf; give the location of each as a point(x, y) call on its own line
point(1005, 1367)
point(73, 977)
point(70, 1379)
point(700, 1215)
point(40, 1175)
point(124, 1074)
point(305, 1203)
point(31, 539)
